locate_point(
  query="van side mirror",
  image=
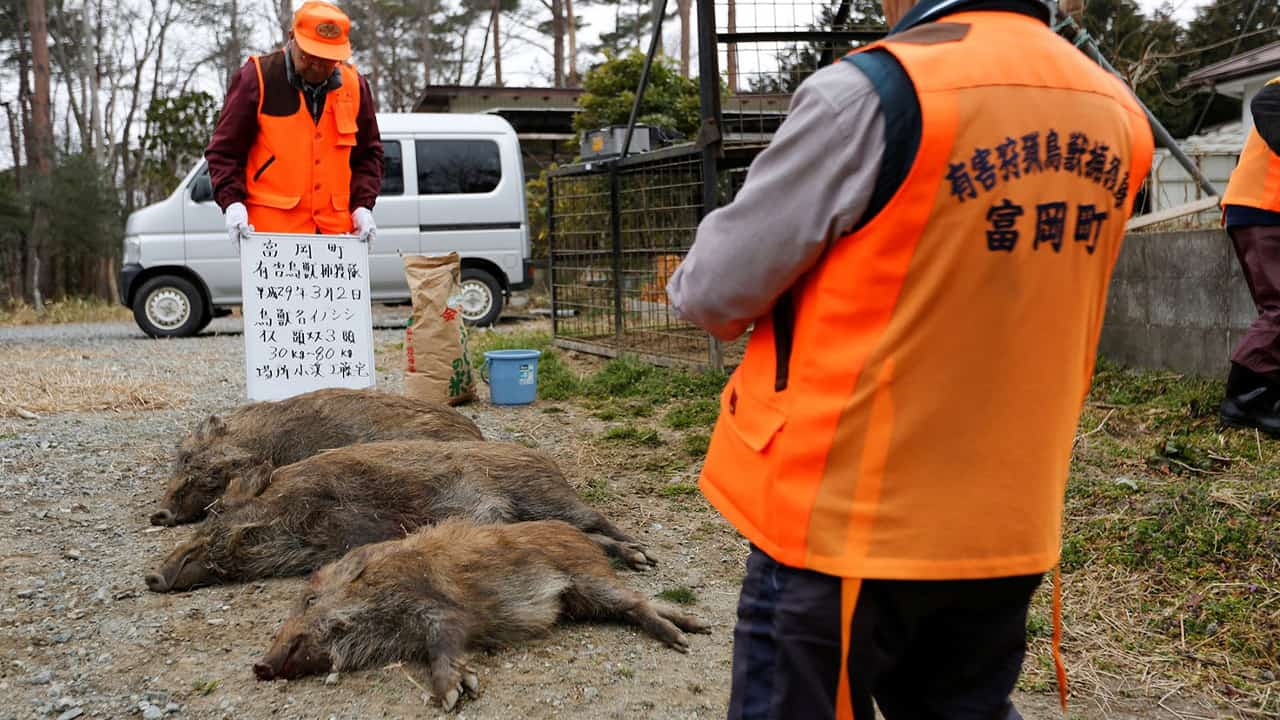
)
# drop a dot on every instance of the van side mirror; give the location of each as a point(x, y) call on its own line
point(202, 188)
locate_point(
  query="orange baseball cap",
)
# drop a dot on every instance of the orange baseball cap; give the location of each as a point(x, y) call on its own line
point(322, 30)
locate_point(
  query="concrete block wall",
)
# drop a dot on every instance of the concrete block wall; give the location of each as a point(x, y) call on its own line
point(1177, 301)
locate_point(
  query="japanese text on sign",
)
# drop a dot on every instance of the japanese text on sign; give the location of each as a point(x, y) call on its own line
point(307, 319)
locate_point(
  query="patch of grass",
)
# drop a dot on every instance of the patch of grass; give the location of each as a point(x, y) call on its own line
point(608, 413)
point(1187, 396)
point(631, 435)
point(679, 595)
point(629, 377)
point(555, 380)
point(696, 444)
point(665, 463)
point(700, 413)
point(1172, 525)
point(626, 672)
point(552, 410)
point(596, 491)
point(680, 489)
point(639, 409)
point(9, 436)
point(68, 310)
point(1039, 626)
point(204, 687)
point(45, 381)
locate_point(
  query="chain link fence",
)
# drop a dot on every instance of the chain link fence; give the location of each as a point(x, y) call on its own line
point(618, 227)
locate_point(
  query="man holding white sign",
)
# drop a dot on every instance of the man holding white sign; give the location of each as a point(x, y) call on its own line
point(296, 155)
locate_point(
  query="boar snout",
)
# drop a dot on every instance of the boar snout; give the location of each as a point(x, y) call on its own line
point(157, 582)
point(184, 569)
point(164, 517)
point(292, 658)
point(184, 503)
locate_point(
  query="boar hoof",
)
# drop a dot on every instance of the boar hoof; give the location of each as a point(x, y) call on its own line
point(635, 556)
point(471, 681)
point(468, 684)
point(163, 517)
point(450, 700)
point(263, 671)
point(679, 642)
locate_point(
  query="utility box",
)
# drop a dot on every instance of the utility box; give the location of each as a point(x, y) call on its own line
point(607, 141)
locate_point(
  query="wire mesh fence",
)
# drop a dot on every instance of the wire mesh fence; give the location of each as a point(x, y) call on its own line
point(618, 235)
point(766, 49)
point(619, 228)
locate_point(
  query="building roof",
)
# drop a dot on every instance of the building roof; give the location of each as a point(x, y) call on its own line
point(1263, 60)
point(441, 122)
point(1225, 138)
point(479, 98)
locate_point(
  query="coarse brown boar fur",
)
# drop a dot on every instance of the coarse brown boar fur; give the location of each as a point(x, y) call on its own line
point(445, 591)
point(267, 435)
point(315, 510)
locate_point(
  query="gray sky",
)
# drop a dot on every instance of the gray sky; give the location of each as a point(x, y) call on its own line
point(1183, 9)
point(524, 64)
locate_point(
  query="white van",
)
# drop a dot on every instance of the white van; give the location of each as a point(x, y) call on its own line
point(451, 182)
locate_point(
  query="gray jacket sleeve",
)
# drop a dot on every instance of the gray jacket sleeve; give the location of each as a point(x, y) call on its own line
point(807, 189)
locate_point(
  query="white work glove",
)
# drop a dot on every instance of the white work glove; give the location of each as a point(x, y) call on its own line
point(365, 227)
point(238, 227)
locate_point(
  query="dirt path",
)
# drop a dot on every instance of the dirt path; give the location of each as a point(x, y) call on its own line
point(80, 636)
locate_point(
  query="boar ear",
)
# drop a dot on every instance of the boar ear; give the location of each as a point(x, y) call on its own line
point(211, 427)
point(250, 483)
point(343, 619)
point(352, 566)
point(248, 534)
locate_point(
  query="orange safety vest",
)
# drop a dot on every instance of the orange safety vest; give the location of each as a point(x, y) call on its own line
point(298, 175)
point(940, 355)
point(1255, 182)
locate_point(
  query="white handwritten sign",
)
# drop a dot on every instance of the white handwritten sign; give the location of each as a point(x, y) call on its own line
point(307, 320)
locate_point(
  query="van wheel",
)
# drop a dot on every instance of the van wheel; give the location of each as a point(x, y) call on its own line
point(169, 306)
point(481, 297)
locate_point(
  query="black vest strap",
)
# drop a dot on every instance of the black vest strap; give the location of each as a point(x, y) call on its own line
point(902, 124)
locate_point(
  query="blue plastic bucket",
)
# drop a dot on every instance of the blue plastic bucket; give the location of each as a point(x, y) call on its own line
point(512, 376)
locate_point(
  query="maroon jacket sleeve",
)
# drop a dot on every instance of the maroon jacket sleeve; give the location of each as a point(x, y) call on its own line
point(366, 156)
point(234, 134)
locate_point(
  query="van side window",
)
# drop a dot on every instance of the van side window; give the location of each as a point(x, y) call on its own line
point(447, 167)
point(392, 169)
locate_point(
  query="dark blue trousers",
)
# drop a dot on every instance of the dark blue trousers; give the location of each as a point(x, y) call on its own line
point(921, 650)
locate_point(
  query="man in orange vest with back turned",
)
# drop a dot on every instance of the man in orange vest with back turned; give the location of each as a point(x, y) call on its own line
point(1251, 212)
point(924, 251)
point(296, 148)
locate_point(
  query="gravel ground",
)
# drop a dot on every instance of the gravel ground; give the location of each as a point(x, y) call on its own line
point(80, 636)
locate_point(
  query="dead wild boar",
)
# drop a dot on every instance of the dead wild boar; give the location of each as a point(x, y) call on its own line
point(315, 510)
point(275, 434)
point(445, 591)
